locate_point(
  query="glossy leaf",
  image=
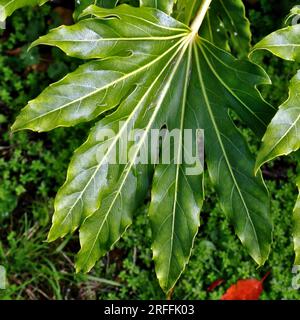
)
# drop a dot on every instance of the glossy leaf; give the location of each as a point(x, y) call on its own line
point(227, 27)
point(230, 164)
point(99, 86)
point(163, 5)
point(225, 24)
point(150, 71)
point(283, 134)
point(176, 198)
point(284, 43)
point(80, 5)
point(7, 7)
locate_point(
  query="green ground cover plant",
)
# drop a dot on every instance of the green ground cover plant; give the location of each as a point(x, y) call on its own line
point(121, 273)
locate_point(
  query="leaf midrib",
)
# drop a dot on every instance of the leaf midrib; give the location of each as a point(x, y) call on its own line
point(111, 147)
point(142, 139)
point(222, 146)
point(179, 155)
point(226, 86)
point(6, 5)
point(150, 38)
point(144, 20)
point(131, 74)
point(291, 127)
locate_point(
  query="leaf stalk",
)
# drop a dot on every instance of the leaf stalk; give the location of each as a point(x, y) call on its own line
point(197, 22)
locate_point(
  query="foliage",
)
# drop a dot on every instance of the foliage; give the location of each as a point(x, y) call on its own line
point(8, 7)
point(95, 196)
point(282, 135)
point(23, 158)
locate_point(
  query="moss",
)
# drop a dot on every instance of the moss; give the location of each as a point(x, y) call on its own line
point(33, 166)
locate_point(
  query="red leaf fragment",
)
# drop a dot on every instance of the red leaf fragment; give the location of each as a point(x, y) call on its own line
point(247, 289)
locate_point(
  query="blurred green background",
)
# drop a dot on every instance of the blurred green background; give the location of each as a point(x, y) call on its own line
point(33, 166)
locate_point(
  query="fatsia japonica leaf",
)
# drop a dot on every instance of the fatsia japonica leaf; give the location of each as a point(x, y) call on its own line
point(80, 5)
point(283, 134)
point(225, 23)
point(227, 27)
point(7, 7)
point(99, 86)
point(150, 71)
point(229, 161)
point(296, 233)
point(284, 43)
point(163, 5)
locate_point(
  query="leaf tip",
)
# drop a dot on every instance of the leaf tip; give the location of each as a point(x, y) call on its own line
point(53, 234)
point(261, 258)
point(78, 268)
point(16, 126)
point(82, 264)
point(33, 44)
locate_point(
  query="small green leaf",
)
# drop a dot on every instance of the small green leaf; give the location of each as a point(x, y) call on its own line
point(282, 136)
point(163, 5)
point(284, 43)
point(7, 7)
point(80, 5)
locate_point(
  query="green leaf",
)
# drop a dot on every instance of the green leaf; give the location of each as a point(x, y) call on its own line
point(99, 86)
point(81, 194)
point(225, 23)
point(282, 136)
point(296, 231)
point(7, 7)
point(284, 43)
point(154, 72)
point(163, 5)
point(243, 197)
point(176, 197)
point(80, 5)
point(227, 27)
